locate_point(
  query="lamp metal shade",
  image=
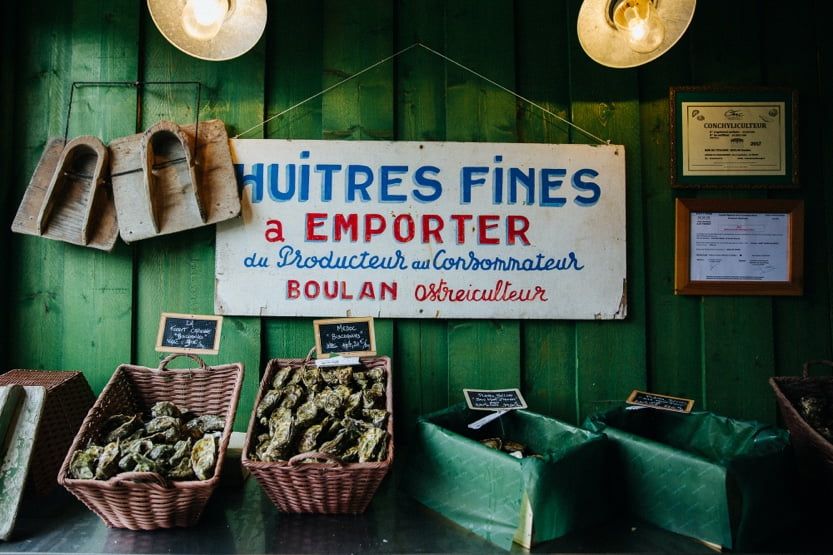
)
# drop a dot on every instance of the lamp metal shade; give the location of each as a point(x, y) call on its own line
point(609, 47)
point(241, 29)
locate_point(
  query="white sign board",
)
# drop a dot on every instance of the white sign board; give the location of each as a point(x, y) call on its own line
point(425, 230)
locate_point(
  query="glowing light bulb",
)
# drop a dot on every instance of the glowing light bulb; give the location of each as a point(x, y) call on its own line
point(202, 19)
point(640, 21)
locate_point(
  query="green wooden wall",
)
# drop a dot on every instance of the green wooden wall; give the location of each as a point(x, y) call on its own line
point(67, 307)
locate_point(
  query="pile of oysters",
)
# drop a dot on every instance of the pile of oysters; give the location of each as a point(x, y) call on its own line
point(174, 442)
point(338, 411)
point(817, 412)
point(513, 448)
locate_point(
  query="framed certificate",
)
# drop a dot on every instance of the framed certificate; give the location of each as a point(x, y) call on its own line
point(734, 138)
point(739, 247)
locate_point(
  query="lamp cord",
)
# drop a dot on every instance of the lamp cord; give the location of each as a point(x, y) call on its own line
point(443, 56)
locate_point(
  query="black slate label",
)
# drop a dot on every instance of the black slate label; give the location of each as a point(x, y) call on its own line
point(345, 336)
point(663, 402)
point(494, 399)
point(189, 333)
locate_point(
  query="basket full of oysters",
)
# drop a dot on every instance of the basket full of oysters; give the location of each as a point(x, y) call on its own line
point(320, 439)
point(150, 451)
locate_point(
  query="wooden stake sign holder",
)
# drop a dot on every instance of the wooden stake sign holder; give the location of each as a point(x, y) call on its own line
point(68, 197)
point(160, 186)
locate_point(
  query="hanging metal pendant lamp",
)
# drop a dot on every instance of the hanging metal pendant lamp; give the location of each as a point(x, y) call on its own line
point(629, 33)
point(212, 30)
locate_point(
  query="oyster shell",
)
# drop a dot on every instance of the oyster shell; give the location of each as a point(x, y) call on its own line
point(201, 425)
point(268, 402)
point(161, 452)
point(309, 438)
point(281, 377)
point(83, 463)
point(204, 457)
point(306, 415)
point(127, 462)
point(344, 375)
point(108, 462)
point(361, 379)
point(376, 417)
point(373, 445)
point(281, 429)
point(376, 374)
point(329, 376)
point(162, 423)
point(335, 446)
point(128, 425)
point(372, 394)
point(329, 401)
point(353, 406)
point(144, 464)
point(311, 377)
point(292, 395)
point(181, 471)
point(165, 408)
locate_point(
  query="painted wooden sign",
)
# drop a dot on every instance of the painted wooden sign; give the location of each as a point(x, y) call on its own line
point(345, 336)
point(425, 230)
point(663, 402)
point(189, 333)
point(494, 399)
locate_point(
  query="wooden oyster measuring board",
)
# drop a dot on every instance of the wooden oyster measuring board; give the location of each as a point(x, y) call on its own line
point(175, 202)
point(21, 408)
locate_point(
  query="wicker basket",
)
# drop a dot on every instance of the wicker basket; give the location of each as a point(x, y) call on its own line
point(813, 452)
point(146, 501)
point(68, 398)
point(333, 487)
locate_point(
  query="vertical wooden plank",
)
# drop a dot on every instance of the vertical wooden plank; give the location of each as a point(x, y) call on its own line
point(176, 273)
point(8, 44)
point(74, 304)
point(825, 73)
point(737, 332)
point(357, 35)
point(673, 326)
point(802, 328)
point(295, 43)
point(98, 286)
point(481, 353)
point(421, 382)
point(36, 297)
point(610, 356)
point(542, 72)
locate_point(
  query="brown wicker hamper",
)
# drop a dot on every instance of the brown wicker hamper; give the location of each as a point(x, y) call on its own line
point(814, 453)
point(146, 501)
point(68, 398)
point(333, 487)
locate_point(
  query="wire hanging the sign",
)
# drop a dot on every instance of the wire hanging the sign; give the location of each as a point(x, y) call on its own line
point(444, 57)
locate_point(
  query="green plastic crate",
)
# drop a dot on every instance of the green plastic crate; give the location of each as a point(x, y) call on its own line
point(724, 481)
point(502, 498)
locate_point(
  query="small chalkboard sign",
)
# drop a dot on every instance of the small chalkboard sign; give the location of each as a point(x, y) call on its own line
point(494, 399)
point(662, 402)
point(189, 333)
point(345, 336)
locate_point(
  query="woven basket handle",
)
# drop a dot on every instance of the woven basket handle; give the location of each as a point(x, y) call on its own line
point(138, 478)
point(297, 459)
point(165, 361)
point(806, 369)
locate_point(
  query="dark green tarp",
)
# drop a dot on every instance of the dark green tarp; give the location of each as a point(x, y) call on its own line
point(482, 489)
point(725, 481)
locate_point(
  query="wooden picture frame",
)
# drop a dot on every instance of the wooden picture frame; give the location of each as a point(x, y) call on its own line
point(324, 351)
point(739, 247)
point(163, 344)
point(731, 138)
